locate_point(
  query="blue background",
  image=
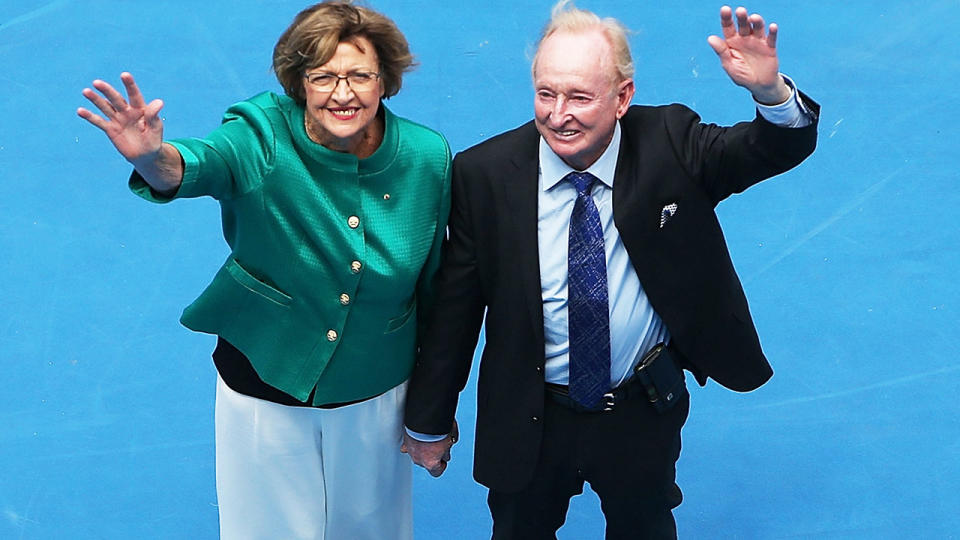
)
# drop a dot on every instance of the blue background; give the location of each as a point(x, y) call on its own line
point(849, 262)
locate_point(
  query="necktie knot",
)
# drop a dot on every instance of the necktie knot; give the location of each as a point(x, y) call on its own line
point(583, 181)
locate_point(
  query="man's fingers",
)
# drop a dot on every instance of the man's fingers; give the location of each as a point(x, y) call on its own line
point(431, 456)
point(756, 25)
point(743, 23)
point(772, 36)
point(726, 22)
point(438, 469)
point(718, 45)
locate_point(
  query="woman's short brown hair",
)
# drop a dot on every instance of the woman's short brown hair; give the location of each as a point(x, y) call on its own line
point(313, 36)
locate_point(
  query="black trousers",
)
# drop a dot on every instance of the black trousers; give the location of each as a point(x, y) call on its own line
point(628, 456)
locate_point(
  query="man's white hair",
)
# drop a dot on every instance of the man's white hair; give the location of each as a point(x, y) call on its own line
point(565, 17)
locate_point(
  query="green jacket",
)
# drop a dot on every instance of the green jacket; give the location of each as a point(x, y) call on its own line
point(331, 257)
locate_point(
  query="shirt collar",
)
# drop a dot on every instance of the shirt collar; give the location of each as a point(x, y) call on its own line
point(553, 169)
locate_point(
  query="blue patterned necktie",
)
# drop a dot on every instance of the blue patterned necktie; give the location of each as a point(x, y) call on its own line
point(588, 318)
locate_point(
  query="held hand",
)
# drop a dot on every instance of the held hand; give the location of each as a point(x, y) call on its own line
point(748, 54)
point(133, 126)
point(432, 456)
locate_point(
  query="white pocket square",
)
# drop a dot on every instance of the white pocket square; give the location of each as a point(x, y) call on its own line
point(667, 213)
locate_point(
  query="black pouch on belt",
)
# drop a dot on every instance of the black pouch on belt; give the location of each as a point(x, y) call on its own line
point(661, 377)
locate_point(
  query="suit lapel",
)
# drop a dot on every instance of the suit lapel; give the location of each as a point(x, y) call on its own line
point(634, 189)
point(520, 189)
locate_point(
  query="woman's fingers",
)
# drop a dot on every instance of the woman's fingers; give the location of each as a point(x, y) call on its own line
point(99, 102)
point(116, 100)
point(115, 108)
point(133, 91)
point(92, 118)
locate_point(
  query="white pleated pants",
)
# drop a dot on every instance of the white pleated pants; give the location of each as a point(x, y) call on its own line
point(305, 473)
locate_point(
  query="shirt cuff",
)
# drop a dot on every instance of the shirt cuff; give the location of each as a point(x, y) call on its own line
point(423, 437)
point(792, 113)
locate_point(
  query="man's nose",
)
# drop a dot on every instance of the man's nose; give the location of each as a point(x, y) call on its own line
point(560, 106)
point(559, 112)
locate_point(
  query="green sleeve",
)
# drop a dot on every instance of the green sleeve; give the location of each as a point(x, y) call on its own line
point(228, 163)
point(425, 289)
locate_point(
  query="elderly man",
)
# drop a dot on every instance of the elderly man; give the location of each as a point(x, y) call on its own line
point(588, 237)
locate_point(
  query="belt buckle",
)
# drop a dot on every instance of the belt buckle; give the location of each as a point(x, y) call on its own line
point(608, 401)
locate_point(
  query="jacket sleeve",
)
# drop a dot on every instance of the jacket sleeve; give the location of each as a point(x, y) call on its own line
point(451, 333)
point(228, 163)
point(727, 160)
point(426, 297)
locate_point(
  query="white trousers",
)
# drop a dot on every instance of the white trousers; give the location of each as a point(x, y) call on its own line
point(306, 473)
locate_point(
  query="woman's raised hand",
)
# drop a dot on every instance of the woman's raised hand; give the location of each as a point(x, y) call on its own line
point(133, 126)
point(136, 130)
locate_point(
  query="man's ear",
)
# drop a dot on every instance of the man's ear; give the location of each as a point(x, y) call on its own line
point(625, 91)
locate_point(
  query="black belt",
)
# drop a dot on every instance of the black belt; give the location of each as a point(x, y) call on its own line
point(632, 387)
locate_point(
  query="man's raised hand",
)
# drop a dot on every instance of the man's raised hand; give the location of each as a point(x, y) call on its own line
point(748, 53)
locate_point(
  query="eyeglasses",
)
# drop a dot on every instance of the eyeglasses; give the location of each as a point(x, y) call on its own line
point(358, 81)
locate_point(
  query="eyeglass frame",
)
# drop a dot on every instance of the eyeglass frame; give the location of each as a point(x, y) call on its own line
point(373, 74)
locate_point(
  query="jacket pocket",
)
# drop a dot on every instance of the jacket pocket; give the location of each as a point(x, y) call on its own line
point(254, 285)
point(396, 323)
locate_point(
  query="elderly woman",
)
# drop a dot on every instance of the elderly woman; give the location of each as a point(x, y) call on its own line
point(334, 210)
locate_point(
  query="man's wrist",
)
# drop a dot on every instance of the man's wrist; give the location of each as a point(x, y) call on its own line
point(792, 113)
point(780, 93)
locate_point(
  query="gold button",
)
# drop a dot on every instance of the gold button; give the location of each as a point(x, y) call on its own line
point(355, 267)
point(331, 335)
point(345, 299)
point(386, 196)
point(353, 222)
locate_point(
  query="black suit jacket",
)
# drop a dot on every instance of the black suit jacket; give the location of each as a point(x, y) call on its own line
point(667, 156)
